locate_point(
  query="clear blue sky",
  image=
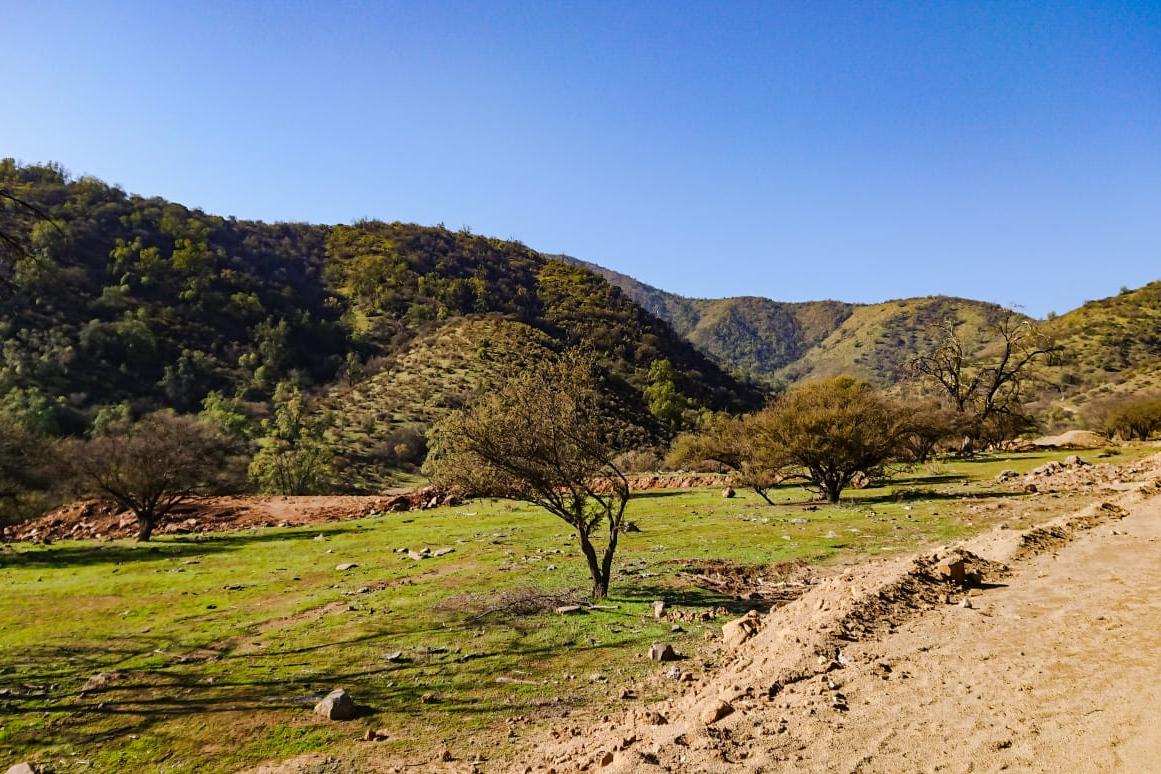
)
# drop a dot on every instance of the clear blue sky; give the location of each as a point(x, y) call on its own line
point(863, 151)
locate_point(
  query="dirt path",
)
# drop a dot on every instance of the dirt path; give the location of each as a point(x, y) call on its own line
point(1060, 669)
point(1055, 666)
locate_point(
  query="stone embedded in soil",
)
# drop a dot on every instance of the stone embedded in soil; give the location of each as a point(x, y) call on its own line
point(662, 651)
point(345, 566)
point(735, 632)
point(659, 608)
point(728, 492)
point(715, 711)
point(337, 705)
point(952, 569)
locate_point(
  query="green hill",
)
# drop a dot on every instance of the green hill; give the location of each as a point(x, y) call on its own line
point(123, 299)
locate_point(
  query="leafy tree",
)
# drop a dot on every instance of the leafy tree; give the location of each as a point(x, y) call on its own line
point(661, 394)
point(293, 456)
point(152, 466)
point(738, 443)
point(1132, 418)
point(26, 466)
point(546, 437)
point(828, 431)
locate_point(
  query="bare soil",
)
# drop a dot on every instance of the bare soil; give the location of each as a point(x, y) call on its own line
point(1051, 665)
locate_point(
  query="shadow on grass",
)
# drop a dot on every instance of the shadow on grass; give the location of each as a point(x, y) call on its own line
point(69, 553)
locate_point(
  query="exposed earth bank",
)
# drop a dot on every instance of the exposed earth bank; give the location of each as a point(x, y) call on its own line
point(1051, 665)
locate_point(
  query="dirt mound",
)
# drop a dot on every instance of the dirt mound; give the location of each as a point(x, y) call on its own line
point(102, 520)
point(794, 664)
point(1074, 474)
point(1074, 439)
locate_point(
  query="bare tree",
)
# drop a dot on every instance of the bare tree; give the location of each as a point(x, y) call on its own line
point(992, 383)
point(152, 466)
point(546, 437)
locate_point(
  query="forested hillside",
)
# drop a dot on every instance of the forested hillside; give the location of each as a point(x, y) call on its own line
point(115, 302)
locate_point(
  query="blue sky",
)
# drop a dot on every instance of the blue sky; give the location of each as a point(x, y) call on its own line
point(862, 151)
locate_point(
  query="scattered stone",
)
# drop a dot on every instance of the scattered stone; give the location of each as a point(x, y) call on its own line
point(1007, 474)
point(662, 651)
point(676, 629)
point(1075, 461)
point(443, 552)
point(346, 566)
point(654, 718)
point(728, 492)
point(446, 756)
point(337, 705)
point(966, 603)
point(394, 656)
point(715, 711)
point(659, 608)
point(101, 680)
point(606, 759)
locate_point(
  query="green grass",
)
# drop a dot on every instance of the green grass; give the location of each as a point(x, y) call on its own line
point(226, 641)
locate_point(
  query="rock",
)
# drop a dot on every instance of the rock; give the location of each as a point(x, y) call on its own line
point(394, 656)
point(606, 759)
point(101, 680)
point(653, 718)
point(337, 705)
point(662, 651)
point(346, 566)
point(966, 603)
point(446, 756)
point(952, 570)
point(569, 610)
point(860, 480)
point(22, 768)
point(443, 552)
point(728, 492)
point(1008, 474)
point(735, 632)
point(1075, 461)
point(1031, 488)
point(715, 711)
point(630, 526)
point(659, 608)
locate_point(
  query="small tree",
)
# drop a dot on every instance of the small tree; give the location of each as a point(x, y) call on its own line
point(925, 425)
point(151, 466)
point(546, 437)
point(828, 431)
point(25, 470)
point(1137, 417)
point(739, 444)
point(293, 456)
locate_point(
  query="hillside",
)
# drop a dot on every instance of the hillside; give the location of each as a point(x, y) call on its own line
point(121, 299)
point(778, 341)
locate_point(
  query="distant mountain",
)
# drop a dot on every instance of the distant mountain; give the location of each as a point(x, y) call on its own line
point(785, 342)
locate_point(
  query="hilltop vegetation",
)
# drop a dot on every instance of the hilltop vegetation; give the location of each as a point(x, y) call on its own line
point(121, 304)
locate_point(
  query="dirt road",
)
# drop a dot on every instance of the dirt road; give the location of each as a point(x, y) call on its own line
point(1056, 666)
point(1060, 669)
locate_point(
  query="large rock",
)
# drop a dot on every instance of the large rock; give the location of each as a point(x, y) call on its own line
point(22, 768)
point(337, 705)
point(728, 492)
point(659, 608)
point(735, 632)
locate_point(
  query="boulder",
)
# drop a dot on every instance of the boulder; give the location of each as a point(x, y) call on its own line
point(735, 632)
point(728, 492)
point(659, 608)
point(662, 651)
point(860, 480)
point(337, 705)
point(715, 711)
point(345, 567)
point(22, 768)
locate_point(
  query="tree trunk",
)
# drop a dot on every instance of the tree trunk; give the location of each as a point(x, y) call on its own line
point(832, 490)
point(600, 581)
point(763, 495)
point(145, 524)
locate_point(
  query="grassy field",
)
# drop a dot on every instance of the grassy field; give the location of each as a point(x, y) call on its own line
point(222, 644)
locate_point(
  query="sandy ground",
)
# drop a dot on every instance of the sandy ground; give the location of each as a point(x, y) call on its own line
point(1054, 666)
